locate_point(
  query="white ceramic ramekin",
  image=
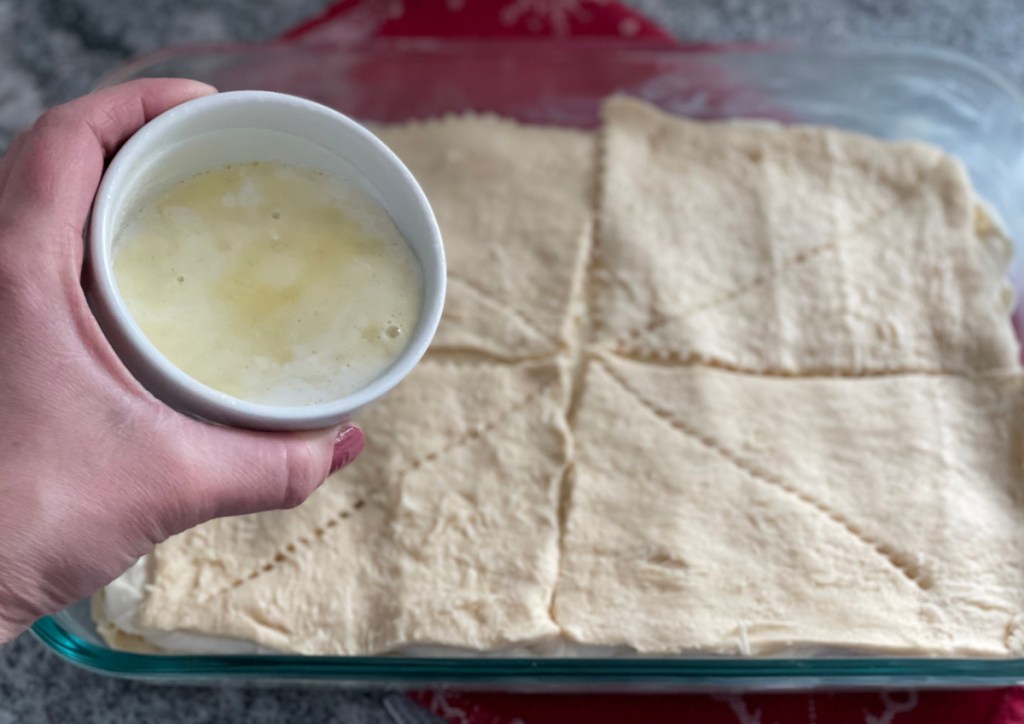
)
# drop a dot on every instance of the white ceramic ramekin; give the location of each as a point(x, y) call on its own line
point(255, 126)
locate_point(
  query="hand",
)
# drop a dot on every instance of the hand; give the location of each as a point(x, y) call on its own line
point(94, 471)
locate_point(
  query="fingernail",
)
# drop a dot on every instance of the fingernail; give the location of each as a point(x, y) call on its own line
point(347, 445)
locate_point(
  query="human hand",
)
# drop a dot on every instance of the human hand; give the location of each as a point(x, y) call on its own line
point(94, 471)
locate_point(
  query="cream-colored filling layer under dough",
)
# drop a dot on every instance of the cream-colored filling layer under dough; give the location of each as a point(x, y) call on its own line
point(705, 388)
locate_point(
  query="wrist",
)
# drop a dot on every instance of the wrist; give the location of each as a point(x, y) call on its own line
point(8, 629)
point(14, 617)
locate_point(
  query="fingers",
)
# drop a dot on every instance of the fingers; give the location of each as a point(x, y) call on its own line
point(52, 178)
point(233, 472)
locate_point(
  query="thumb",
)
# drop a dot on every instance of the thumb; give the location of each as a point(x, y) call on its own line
point(234, 472)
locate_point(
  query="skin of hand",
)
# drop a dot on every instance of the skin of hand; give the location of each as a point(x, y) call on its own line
point(94, 471)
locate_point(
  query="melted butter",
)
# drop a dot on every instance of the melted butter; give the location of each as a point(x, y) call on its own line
point(271, 283)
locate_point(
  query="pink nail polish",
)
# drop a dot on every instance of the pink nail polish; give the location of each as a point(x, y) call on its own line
point(347, 445)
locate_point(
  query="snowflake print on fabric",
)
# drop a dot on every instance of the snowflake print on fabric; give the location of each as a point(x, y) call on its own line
point(629, 27)
point(349, 21)
point(895, 703)
point(553, 16)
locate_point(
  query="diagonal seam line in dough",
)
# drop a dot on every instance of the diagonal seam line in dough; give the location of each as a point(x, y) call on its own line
point(793, 262)
point(507, 312)
point(467, 355)
point(907, 570)
point(696, 360)
point(672, 358)
point(319, 533)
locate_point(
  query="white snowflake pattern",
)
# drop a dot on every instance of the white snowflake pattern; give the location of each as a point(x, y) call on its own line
point(893, 706)
point(629, 27)
point(538, 14)
point(395, 9)
point(740, 709)
point(443, 707)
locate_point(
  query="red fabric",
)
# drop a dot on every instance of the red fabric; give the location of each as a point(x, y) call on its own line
point(986, 706)
point(480, 19)
point(358, 20)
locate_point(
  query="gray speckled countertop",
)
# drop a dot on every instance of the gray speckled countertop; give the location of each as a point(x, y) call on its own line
point(52, 50)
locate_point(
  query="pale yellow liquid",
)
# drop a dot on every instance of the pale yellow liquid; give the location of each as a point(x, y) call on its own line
point(272, 283)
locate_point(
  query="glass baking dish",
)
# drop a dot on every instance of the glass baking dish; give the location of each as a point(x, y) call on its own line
point(892, 93)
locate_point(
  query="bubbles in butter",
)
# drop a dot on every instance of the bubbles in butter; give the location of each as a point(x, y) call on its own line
point(274, 284)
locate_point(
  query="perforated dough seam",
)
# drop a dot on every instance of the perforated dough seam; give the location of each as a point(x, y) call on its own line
point(318, 533)
point(793, 262)
point(672, 358)
point(507, 311)
point(900, 563)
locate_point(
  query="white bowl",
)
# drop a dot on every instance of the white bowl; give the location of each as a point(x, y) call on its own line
point(237, 127)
